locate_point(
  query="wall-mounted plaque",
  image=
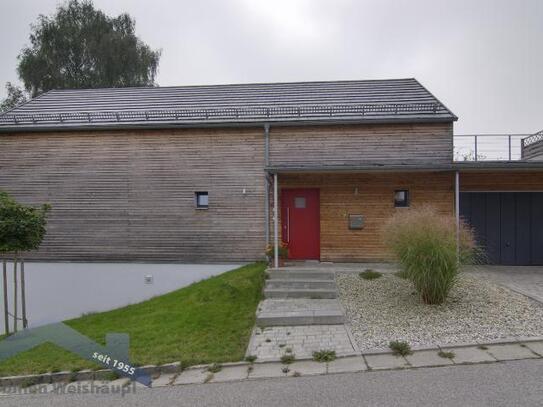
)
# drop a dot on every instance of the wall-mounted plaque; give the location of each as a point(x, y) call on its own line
point(356, 222)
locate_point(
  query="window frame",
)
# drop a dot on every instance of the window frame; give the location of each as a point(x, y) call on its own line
point(197, 196)
point(402, 204)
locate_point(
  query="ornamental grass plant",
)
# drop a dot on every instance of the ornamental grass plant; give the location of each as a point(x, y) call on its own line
point(425, 244)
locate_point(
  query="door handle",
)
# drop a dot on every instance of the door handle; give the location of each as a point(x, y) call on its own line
point(288, 224)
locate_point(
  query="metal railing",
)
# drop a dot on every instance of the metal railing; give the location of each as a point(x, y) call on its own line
point(534, 138)
point(222, 114)
point(488, 147)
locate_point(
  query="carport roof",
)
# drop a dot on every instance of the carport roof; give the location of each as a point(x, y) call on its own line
point(410, 166)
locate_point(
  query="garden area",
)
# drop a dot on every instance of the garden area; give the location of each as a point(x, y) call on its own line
point(209, 321)
point(429, 300)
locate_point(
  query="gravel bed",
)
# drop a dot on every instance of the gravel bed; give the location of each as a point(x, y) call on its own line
point(388, 308)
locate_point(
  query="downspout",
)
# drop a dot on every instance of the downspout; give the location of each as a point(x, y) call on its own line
point(457, 212)
point(275, 223)
point(267, 183)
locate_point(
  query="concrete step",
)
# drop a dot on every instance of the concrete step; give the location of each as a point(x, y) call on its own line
point(299, 293)
point(300, 274)
point(300, 318)
point(292, 312)
point(300, 283)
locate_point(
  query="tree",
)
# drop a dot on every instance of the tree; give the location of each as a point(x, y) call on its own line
point(22, 228)
point(81, 47)
point(16, 96)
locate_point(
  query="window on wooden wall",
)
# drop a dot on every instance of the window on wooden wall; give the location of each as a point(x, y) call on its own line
point(202, 200)
point(401, 198)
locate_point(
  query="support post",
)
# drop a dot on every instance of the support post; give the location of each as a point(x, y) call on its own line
point(509, 147)
point(476, 152)
point(5, 275)
point(457, 212)
point(23, 294)
point(275, 223)
point(15, 293)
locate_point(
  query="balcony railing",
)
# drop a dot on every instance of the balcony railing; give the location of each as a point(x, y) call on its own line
point(488, 147)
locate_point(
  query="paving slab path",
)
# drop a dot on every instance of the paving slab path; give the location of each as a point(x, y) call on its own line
point(526, 280)
point(301, 314)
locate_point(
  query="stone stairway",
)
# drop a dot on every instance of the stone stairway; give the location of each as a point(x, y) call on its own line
point(300, 297)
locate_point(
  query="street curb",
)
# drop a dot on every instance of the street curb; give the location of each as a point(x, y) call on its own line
point(172, 368)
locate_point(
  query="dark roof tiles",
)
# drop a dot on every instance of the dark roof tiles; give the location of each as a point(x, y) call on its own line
point(338, 101)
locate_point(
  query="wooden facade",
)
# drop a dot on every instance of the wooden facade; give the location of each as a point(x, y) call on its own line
point(510, 181)
point(129, 195)
point(370, 195)
point(356, 144)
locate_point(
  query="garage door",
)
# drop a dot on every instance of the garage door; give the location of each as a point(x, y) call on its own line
point(508, 225)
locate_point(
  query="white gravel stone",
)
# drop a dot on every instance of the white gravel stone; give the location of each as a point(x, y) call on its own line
point(388, 308)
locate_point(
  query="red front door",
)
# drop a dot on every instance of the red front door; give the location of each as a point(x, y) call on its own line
point(300, 222)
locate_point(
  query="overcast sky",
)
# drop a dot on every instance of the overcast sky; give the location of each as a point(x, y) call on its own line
point(482, 58)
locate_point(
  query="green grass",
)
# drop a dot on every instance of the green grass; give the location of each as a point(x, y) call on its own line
point(402, 274)
point(207, 322)
point(288, 359)
point(369, 274)
point(324, 355)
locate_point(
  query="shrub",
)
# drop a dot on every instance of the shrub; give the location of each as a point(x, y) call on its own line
point(424, 242)
point(369, 274)
point(400, 348)
point(282, 250)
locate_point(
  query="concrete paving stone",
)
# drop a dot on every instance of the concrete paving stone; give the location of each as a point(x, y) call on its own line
point(191, 376)
point(385, 361)
point(536, 347)
point(163, 380)
point(348, 364)
point(470, 354)
point(267, 370)
point(307, 368)
point(231, 373)
point(427, 358)
point(510, 352)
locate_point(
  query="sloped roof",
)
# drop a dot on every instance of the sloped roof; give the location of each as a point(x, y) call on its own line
point(389, 100)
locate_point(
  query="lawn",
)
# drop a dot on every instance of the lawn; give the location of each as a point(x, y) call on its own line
point(208, 321)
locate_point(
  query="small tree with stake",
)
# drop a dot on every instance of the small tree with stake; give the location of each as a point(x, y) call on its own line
point(22, 229)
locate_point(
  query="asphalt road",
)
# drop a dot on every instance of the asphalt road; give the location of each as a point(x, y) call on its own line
point(515, 383)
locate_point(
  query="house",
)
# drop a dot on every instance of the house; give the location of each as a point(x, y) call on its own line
point(191, 173)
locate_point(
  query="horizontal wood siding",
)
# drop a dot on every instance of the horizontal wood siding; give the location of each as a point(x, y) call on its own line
point(374, 201)
point(129, 195)
point(501, 181)
point(357, 144)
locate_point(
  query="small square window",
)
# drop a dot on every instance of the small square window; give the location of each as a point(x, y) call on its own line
point(401, 198)
point(202, 200)
point(299, 202)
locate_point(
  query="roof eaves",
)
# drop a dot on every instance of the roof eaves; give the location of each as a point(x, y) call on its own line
point(207, 124)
